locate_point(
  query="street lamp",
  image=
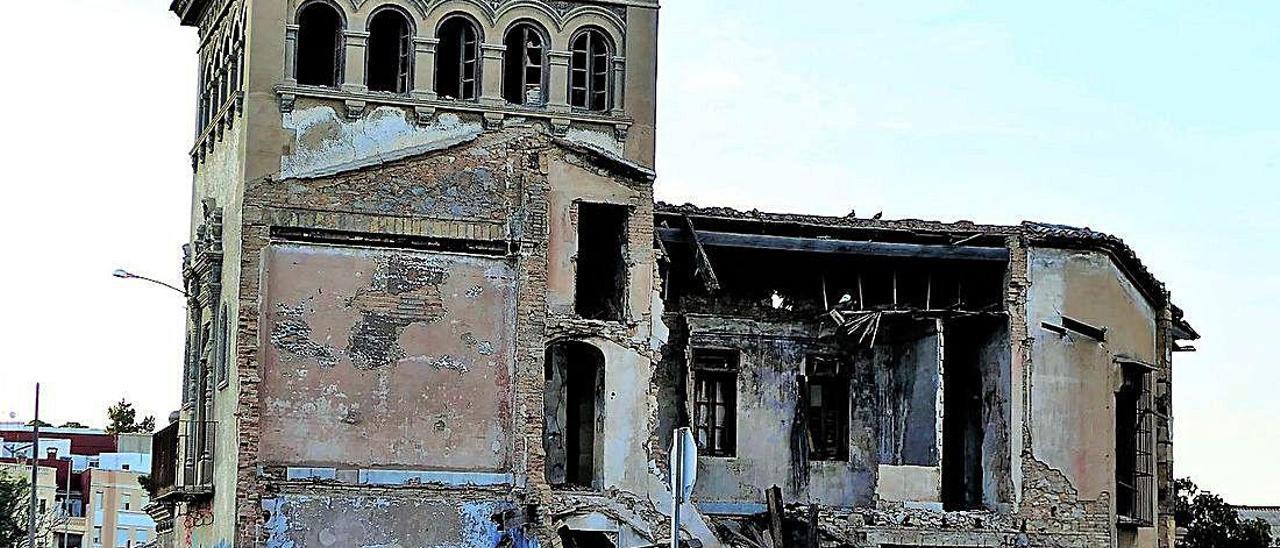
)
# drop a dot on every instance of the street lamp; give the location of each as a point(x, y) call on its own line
point(125, 274)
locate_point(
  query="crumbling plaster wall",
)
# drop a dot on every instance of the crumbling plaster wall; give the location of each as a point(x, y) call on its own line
point(572, 183)
point(1074, 378)
point(767, 449)
point(390, 211)
point(219, 175)
point(387, 358)
point(317, 518)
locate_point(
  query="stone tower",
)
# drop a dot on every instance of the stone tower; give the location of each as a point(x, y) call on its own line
point(405, 215)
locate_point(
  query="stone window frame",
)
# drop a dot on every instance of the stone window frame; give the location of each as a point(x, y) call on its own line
point(528, 26)
point(406, 54)
point(599, 66)
point(294, 34)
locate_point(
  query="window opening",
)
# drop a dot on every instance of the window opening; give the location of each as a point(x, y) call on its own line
point(589, 72)
point(319, 45)
point(715, 395)
point(457, 69)
point(601, 278)
point(390, 52)
point(524, 66)
point(1134, 462)
point(827, 408)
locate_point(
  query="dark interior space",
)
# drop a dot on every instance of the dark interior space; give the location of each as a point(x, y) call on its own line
point(573, 400)
point(585, 539)
point(319, 45)
point(826, 392)
point(801, 284)
point(390, 52)
point(962, 414)
point(456, 60)
point(601, 278)
point(523, 66)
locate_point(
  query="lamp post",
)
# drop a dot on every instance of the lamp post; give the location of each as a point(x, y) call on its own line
point(125, 274)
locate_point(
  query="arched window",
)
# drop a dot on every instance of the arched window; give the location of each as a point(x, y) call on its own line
point(390, 58)
point(319, 54)
point(589, 72)
point(457, 56)
point(524, 66)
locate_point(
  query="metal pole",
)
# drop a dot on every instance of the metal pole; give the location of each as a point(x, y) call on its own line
point(677, 488)
point(35, 472)
point(66, 508)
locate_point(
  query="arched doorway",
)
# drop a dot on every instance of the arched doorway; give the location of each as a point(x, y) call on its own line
point(574, 401)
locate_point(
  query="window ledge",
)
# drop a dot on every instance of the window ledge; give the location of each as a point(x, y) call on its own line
point(357, 102)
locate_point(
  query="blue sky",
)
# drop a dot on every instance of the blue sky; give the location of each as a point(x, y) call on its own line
point(1155, 121)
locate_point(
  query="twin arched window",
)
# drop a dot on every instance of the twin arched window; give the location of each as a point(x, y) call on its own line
point(391, 51)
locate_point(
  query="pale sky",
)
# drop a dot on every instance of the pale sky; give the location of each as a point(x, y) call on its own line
point(1155, 121)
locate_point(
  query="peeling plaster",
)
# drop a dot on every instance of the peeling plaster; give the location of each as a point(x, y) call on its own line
point(324, 143)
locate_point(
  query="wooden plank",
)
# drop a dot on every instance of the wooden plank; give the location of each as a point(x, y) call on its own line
point(774, 497)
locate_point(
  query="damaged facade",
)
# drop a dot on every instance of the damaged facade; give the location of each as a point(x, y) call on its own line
point(434, 303)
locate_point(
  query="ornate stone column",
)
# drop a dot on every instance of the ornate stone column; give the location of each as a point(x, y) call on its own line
point(291, 54)
point(353, 70)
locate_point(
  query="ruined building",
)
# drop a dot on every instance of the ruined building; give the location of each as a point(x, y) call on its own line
point(434, 303)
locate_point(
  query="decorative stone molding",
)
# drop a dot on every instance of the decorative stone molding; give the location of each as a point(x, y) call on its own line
point(355, 108)
point(424, 116)
point(287, 100)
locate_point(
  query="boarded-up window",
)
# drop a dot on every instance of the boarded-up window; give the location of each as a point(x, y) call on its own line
point(715, 399)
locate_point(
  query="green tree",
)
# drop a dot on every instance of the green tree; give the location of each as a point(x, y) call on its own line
point(72, 424)
point(14, 496)
point(1212, 523)
point(122, 419)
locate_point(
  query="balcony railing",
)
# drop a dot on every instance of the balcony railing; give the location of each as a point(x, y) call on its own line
point(182, 461)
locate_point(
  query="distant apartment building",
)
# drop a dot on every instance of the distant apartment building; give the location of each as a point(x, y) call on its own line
point(95, 497)
point(47, 513)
